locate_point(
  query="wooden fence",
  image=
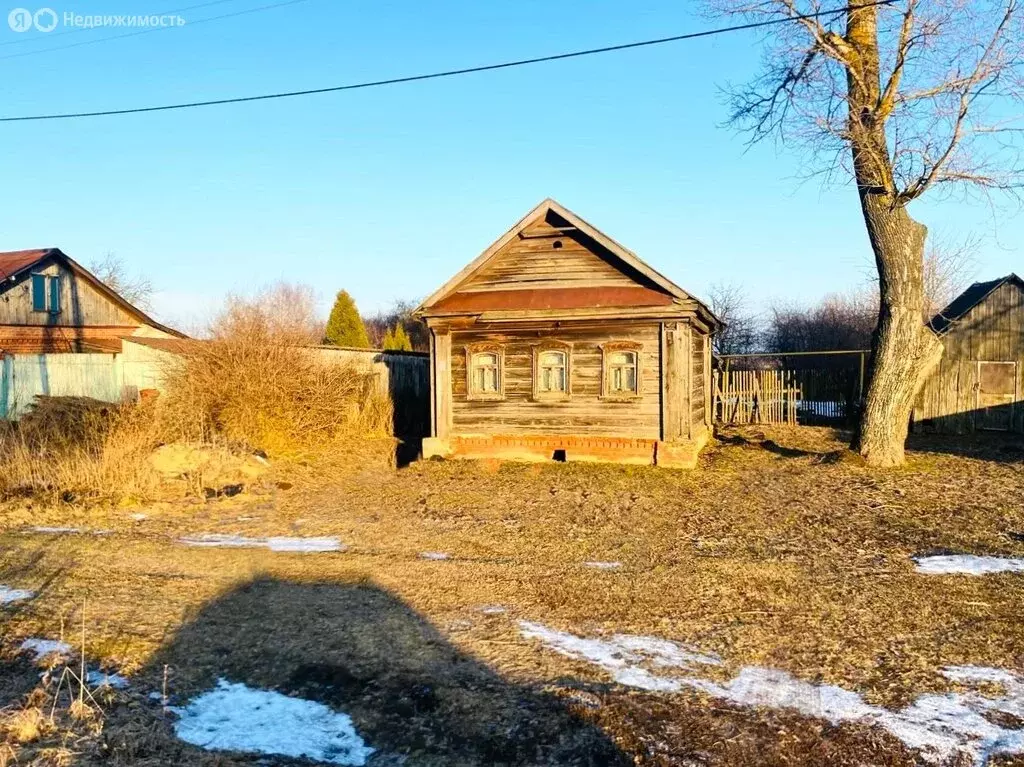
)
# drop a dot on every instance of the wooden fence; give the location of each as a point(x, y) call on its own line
point(809, 396)
point(756, 396)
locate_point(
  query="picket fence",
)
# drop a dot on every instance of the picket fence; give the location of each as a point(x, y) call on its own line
point(756, 396)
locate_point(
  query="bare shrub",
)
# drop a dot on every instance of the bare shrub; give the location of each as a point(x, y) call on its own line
point(256, 383)
point(68, 448)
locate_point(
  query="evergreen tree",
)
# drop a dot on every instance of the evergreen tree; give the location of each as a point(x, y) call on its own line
point(345, 326)
point(397, 339)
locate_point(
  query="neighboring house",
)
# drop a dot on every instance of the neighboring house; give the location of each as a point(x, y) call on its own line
point(49, 303)
point(979, 383)
point(558, 342)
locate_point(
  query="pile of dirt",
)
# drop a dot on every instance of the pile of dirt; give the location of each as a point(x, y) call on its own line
point(213, 470)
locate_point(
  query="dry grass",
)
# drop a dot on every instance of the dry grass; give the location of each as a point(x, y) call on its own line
point(251, 388)
point(73, 449)
point(777, 551)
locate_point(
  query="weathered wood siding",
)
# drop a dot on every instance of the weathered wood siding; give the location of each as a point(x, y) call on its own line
point(698, 383)
point(586, 412)
point(993, 331)
point(531, 261)
point(80, 303)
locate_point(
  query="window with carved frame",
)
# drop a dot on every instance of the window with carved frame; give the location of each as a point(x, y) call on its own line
point(552, 371)
point(620, 378)
point(485, 372)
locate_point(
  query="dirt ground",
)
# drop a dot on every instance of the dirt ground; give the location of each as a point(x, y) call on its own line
point(780, 550)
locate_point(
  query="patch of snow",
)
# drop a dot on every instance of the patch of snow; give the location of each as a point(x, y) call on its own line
point(56, 530)
point(943, 727)
point(967, 564)
point(9, 595)
point(139, 516)
point(492, 609)
point(280, 544)
point(624, 656)
point(305, 545)
point(103, 679)
point(604, 565)
point(436, 556)
point(234, 717)
point(220, 540)
point(43, 647)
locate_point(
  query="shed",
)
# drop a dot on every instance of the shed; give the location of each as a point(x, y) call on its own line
point(979, 382)
point(559, 343)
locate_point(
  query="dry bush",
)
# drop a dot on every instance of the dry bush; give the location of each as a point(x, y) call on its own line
point(258, 384)
point(66, 448)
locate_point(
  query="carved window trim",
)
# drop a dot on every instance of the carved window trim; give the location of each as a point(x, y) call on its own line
point(472, 393)
point(551, 345)
point(607, 349)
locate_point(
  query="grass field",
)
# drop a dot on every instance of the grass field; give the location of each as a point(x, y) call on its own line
point(780, 552)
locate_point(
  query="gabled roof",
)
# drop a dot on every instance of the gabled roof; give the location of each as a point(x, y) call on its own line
point(967, 300)
point(15, 262)
point(626, 257)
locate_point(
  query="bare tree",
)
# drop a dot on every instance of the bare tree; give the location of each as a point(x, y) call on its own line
point(906, 97)
point(729, 303)
point(284, 312)
point(133, 288)
point(837, 322)
point(949, 267)
point(400, 313)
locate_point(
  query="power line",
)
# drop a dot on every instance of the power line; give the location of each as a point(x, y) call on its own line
point(447, 73)
point(153, 29)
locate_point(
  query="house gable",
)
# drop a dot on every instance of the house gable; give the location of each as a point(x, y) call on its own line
point(986, 322)
point(552, 260)
point(84, 301)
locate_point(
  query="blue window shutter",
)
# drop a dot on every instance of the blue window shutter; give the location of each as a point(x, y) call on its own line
point(39, 292)
point(55, 295)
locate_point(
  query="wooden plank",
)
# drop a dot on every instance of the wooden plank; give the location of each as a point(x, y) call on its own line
point(443, 384)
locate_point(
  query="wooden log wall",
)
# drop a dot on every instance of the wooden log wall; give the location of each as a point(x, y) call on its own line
point(586, 412)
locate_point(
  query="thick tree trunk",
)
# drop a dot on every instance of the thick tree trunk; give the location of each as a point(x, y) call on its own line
point(905, 350)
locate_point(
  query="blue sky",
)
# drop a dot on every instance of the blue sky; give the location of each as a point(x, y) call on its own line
point(387, 192)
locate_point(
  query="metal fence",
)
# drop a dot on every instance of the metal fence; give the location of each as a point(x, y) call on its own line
point(402, 376)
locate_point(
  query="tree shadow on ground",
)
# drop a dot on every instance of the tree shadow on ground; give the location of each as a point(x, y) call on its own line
point(24, 572)
point(356, 647)
point(756, 440)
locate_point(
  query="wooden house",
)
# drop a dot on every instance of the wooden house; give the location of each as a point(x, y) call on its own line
point(50, 304)
point(559, 343)
point(979, 383)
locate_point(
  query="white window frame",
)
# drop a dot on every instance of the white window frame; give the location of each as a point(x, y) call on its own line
point(472, 352)
point(607, 350)
point(563, 348)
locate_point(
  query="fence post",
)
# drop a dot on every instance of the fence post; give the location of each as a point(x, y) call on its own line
point(860, 385)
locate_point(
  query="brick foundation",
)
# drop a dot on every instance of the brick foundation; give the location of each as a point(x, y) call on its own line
point(644, 452)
